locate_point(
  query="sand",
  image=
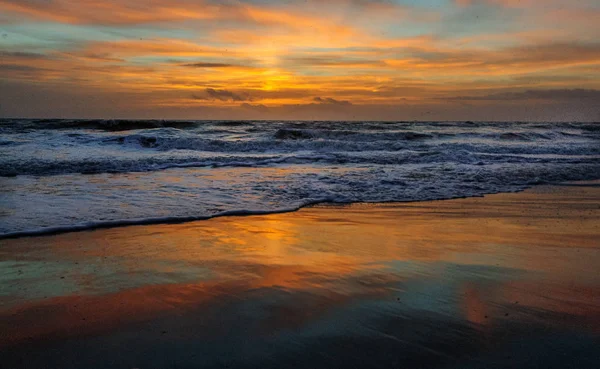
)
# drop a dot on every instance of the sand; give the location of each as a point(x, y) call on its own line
point(507, 280)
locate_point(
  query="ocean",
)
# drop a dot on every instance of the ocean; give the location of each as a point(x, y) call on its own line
point(61, 175)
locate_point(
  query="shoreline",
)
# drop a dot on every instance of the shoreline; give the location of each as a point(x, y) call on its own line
point(244, 213)
point(505, 280)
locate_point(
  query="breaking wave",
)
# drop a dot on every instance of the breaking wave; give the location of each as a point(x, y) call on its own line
point(61, 175)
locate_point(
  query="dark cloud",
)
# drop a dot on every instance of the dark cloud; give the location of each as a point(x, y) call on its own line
point(221, 95)
point(559, 94)
point(199, 97)
point(21, 55)
point(208, 65)
point(330, 101)
point(20, 99)
point(102, 57)
point(18, 68)
point(255, 107)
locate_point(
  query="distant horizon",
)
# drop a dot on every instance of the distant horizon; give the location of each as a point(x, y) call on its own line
point(302, 120)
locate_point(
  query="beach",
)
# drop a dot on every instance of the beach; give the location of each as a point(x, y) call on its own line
point(504, 280)
point(263, 184)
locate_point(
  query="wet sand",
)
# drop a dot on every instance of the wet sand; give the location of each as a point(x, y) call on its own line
point(508, 280)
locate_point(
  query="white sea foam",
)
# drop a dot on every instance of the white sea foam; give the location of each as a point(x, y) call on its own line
point(59, 175)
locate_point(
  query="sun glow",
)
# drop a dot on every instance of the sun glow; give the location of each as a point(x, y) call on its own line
point(373, 57)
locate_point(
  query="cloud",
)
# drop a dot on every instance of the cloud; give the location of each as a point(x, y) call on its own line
point(525, 3)
point(221, 95)
point(49, 100)
point(225, 95)
point(505, 62)
point(170, 47)
point(108, 13)
point(255, 107)
point(504, 3)
point(165, 12)
point(257, 54)
point(242, 65)
point(333, 60)
point(21, 55)
point(18, 68)
point(100, 57)
point(556, 94)
point(208, 65)
point(331, 101)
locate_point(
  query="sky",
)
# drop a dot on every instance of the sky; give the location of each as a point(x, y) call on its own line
point(491, 60)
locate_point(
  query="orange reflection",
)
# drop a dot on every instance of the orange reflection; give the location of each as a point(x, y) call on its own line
point(537, 252)
point(475, 307)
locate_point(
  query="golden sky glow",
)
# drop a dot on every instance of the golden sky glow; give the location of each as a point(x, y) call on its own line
point(262, 59)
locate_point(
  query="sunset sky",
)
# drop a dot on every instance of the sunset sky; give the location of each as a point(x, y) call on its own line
point(292, 59)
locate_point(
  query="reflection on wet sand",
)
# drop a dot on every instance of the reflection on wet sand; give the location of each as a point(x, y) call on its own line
point(505, 280)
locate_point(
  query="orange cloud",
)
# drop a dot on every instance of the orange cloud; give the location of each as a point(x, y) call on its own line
point(141, 11)
point(117, 12)
point(286, 54)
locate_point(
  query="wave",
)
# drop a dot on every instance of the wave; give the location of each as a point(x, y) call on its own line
point(130, 167)
point(514, 136)
point(152, 221)
point(70, 203)
point(296, 134)
point(94, 225)
point(458, 155)
point(132, 124)
point(39, 167)
point(97, 124)
point(234, 123)
point(351, 140)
